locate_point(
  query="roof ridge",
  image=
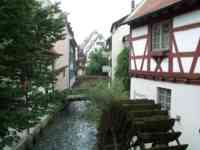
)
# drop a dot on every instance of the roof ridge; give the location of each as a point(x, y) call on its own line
point(138, 6)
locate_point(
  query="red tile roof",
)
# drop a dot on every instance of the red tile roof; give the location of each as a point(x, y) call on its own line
point(150, 6)
point(153, 5)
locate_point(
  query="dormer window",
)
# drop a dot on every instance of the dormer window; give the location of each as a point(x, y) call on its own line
point(160, 36)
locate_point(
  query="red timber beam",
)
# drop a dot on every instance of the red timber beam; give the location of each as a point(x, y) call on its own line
point(186, 27)
point(132, 54)
point(164, 76)
point(139, 37)
point(149, 48)
point(145, 51)
point(178, 56)
point(170, 57)
point(195, 59)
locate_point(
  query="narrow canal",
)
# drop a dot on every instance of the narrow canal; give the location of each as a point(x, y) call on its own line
point(70, 131)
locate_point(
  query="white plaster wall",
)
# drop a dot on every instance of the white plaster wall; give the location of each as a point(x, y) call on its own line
point(145, 65)
point(132, 64)
point(140, 31)
point(187, 40)
point(165, 65)
point(185, 102)
point(153, 65)
point(197, 69)
point(117, 45)
point(176, 67)
point(139, 46)
point(187, 18)
point(138, 63)
point(186, 62)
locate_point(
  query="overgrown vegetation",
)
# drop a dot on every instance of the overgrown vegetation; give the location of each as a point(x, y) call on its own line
point(122, 69)
point(96, 62)
point(101, 96)
point(28, 30)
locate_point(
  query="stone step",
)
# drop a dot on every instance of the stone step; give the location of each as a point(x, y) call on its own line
point(178, 147)
point(159, 137)
point(154, 125)
point(139, 107)
point(150, 118)
point(141, 101)
point(147, 113)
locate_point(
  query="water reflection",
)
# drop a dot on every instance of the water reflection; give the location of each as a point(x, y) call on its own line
point(71, 131)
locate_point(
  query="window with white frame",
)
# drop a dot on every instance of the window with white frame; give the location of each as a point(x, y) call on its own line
point(164, 98)
point(161, 36)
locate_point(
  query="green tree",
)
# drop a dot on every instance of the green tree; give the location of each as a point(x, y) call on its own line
point(96, 62)
point(28, 31)
point(122, 69)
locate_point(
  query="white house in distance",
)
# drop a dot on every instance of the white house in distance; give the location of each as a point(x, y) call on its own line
point(118, 31)
point(65, 64)
point(165, 60)
point(94, 41)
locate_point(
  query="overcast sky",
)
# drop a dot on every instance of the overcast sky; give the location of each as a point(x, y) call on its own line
point(88, 15)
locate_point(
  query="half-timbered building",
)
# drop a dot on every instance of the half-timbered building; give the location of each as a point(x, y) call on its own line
point(165, 60)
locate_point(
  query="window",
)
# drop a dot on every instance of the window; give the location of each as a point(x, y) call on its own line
point(164, 98)
point(161, 36)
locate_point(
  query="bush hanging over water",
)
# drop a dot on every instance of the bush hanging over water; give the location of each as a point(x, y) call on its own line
point(101, 96)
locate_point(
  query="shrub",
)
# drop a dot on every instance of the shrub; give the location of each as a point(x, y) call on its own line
point(101, 96)
point(26, 117)
point(96, 62)
point(122, 70)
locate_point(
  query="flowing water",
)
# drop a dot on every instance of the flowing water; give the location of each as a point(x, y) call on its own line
point(70, 131)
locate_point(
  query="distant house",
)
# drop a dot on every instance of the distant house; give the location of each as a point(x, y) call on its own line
point(118, 31)
point(93, 42)
point(165, 60)
point(65, 64)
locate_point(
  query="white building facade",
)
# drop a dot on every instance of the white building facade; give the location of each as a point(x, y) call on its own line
point(165, 61)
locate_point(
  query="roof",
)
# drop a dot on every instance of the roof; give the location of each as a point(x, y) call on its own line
point(118, 23)
point(148, 7)
point(153, 5)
